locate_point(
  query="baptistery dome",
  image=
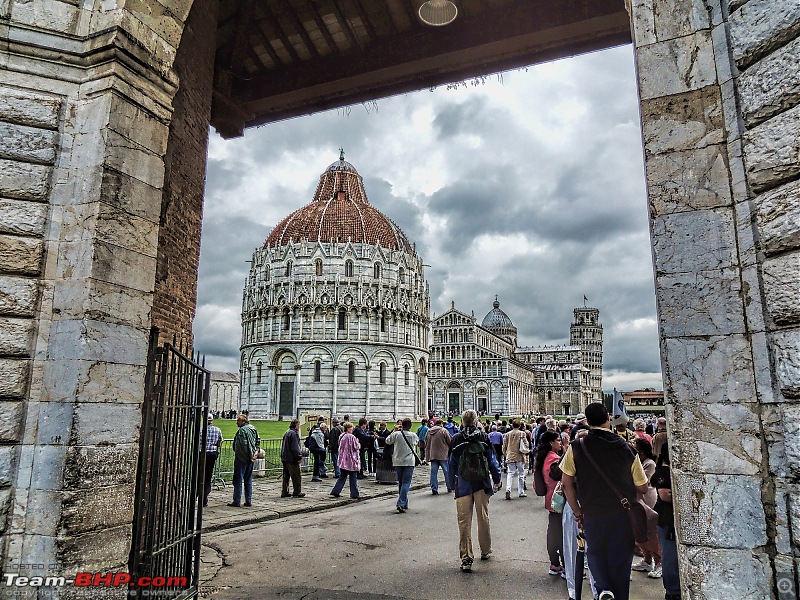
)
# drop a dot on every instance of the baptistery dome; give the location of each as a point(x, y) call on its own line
point(335, 312)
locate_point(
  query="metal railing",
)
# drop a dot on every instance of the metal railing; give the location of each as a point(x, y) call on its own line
point(270, 464)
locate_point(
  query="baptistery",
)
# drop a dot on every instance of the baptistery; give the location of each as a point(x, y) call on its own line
point(335, 312)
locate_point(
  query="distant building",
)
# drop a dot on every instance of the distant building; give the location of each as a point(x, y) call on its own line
point(644, 402)
point(224, 391)
point(481, 366)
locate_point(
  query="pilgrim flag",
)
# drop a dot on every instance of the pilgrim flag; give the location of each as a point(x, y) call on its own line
point(619, 412)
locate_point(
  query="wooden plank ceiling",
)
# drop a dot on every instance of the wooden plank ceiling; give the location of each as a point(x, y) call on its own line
point(278, 59)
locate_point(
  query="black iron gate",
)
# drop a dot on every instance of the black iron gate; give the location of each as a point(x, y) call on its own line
point(165, 552)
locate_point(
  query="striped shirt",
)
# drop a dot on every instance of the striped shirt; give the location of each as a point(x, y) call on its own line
point(213, 438)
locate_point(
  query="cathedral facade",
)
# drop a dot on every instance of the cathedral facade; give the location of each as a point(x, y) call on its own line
point(482, 367)
point(335, 312)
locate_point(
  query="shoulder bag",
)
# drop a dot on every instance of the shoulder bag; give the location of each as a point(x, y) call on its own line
point(643, 519)
point(417, 461)
point(523, 444)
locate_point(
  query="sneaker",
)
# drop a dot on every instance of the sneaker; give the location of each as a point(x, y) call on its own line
point(655, 573)
point(334, 495)
point(606, 595)
point(466, 565)
point(248, 504)
point(508, 495)
point(298, 495)
point(523, 495)
point(554, 570)
point(400, 509)
point(285, 494)
point(642, 565)
point(236, 504)
point(316, 479)
point(435, 492)
point(486, 556)
point(323, 476)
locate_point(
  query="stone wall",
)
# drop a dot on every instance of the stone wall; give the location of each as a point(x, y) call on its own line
point(719, 88)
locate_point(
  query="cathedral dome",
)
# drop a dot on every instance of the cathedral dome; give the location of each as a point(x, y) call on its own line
point(340, 212)
point(496, 317)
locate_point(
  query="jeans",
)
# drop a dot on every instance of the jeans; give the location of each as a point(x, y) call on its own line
point(435, 464)
point(404, 475)
point(555, 534)
point(344, 476)
point(335, 461)
point(609, 550)
point(669, 563)
point(242, 473)
point(291, 471)
point(518, 469)
point(319, 464)
point(210, 458)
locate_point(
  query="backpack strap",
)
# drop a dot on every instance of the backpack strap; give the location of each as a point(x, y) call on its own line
point(622, 499)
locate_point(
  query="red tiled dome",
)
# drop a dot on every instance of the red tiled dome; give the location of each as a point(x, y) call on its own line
point(340, 212)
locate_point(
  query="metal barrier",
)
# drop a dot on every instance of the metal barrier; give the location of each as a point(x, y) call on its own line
point(223, 468)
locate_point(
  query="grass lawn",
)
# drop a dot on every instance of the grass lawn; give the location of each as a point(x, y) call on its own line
point(266, 429)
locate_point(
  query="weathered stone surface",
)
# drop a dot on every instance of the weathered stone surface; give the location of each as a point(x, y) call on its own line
point(103, 301)
point(131, 195)
point(53, 421)
point(42, 511)
point(29, 144)
point(102, 551)
point(715, 573)
point(760, 26)
point(90, 467)
point(16, 336)
point(127, 157)
point(683, 122)
point(11, 417)
point(29, 107)
point(778, 218)
point(700, 303)
point(702, 502)
point(23, 180)
point(18, 296)
point(86, 510)
point(688, 180)
point(54, 15)
point(772, 150)
point(791, 413)
point(19, 217)
point(772, 85)
point(105, 424)
point(6, 465)
point(5, 509)
point(21, 254)
point(106, 262)
point(696, 241)
point(717, 438)
point(137, 125)
point(13, 377)
point(97, 341)
point(676, 66)
point(87, 381)
point(786, 346)
point(782, 288)
point(658, 21)
point(785, 569)
point(692, 363)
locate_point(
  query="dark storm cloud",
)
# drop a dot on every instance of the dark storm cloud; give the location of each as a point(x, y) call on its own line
point(405, 214)
point(223, 176)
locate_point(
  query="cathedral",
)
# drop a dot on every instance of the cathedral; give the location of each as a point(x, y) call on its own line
point(335, 312)
point(482, 367)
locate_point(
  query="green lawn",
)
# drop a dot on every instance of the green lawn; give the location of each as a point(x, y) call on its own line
point(266, 429)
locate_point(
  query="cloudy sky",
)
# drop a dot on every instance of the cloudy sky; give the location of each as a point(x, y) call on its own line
point(528, 185)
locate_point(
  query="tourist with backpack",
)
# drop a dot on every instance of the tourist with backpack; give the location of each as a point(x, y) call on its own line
point(472, 468)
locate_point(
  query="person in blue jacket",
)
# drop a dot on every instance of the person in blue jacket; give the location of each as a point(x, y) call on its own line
point(473, 467)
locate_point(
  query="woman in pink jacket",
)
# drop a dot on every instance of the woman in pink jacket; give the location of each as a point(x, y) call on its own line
point(548, 452)
point(349, 462)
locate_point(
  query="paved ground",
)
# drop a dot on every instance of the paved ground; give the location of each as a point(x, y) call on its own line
point(319, 548)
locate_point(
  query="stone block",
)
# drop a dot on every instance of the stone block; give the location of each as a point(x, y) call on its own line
point(100, 551)
point(676, 66)
point(53, 421)
point(131, 195)
point(724, 511)
point(791, 424)
point(5, 509)
point(28, 144)
point(13, 377)
point(725, 69)
point(12, 416)
point(18, 296)
point(761, 26)
point(778, 218)
point(714, 370)
point(139, 126)
point(689, 242)
point(688, 180)
point(42, 512)
point(19, 217)
point(53, 15)
point(715, 573)
point(7, 456)
point(124, 267)
point(104, 302)
point(24, 180)
point(91, 467)
point(763, 369)
point(45, 471)
point(29, 107)
point(785, 569)
point(771, 85)
point(752, 299)
point(16, 336)
point(655, 20)
point(772, 150)
point(122, 229)
point(784, 493)
point(91, 510)
point(130, 158)
point(97, 341)
point(21, 255)
point(781, 275)
point(786, 348)
point(700, 303)
point(683, 121)
point(719, 439)
point(106, 424)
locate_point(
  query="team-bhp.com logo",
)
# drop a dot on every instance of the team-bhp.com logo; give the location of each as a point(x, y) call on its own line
point(94, 580)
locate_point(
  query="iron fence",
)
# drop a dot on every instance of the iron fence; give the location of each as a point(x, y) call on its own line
point(271, 465)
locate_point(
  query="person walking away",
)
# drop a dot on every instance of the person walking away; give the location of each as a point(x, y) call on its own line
point(605, 521)
point(316, 445)
point(660, 436)
point(213, 443)
point(349, 462)
point(403, 442)
point(244, 456)
point(291, 456)
point(437, 448)
point(333, 444)
point(451, 426)
point(661, 481)
point(422, 430)
point(639, 427)
point(496, 440)
point(548, 453)
point(472, 469)
point(360, 431)
point(372, 447)
point(651, 550)
point(516, 450)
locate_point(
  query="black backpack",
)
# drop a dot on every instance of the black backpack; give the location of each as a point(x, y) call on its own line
point(472, 465)
point(539, 484)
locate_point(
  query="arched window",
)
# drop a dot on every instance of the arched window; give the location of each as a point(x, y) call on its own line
point(402, 275)
point(348, 268)
point(318, 267)
point(377, 271)
point(383, 323)
point(288, 269)
point(549, 395)
point(266, 273)
point(317, 370)
point(351, 371)
point(382, 372)
point(258, 372)
point(405, 377)
point(342, 315)
point(286, 320)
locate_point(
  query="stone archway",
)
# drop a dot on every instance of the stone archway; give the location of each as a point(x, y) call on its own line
point(101, 181)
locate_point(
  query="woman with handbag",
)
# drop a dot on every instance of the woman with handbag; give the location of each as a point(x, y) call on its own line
point(349, 462)
point(651, 549)
point(548, 453)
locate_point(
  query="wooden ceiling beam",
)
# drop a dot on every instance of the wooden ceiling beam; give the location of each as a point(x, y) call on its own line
point(241, 35)
point(300, 29)
point(364, 19)
point(344, 23)
point(276, 26)
point(322, 27)
point(268, 46)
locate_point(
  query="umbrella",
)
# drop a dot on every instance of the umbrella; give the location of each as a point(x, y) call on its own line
point(580, 559)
